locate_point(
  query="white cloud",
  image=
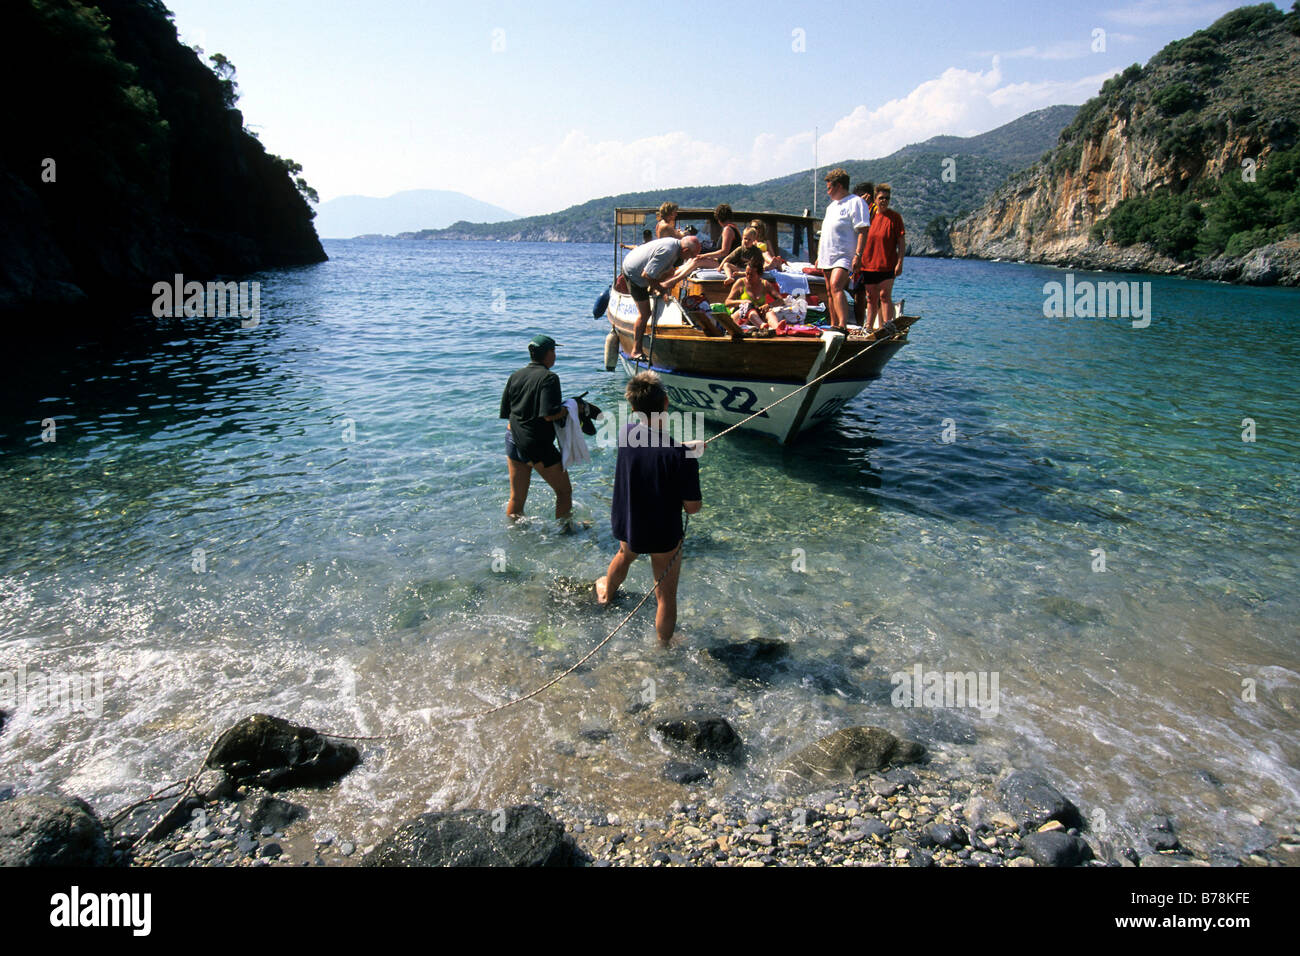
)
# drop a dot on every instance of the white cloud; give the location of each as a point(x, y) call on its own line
point(1020, 98)
point(958, 102)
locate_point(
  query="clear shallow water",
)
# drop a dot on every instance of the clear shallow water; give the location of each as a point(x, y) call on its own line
point(349, 584)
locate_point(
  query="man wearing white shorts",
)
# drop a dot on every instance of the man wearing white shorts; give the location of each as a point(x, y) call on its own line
point(843, 243)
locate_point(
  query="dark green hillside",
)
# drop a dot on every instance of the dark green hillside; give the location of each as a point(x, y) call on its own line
point(124, 161)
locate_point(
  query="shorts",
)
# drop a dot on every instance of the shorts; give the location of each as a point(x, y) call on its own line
point(873, 278)
point(639, 293)
point(550, 455)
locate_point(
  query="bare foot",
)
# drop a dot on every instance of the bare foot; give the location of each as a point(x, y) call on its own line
point(677, 640)
point(601, 596)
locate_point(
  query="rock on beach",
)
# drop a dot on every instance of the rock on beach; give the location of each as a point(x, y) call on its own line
point(524, 835)
point(843, 755)
point(1032, 801)
point(705, 734)
point(45, 830)
point(272, 753)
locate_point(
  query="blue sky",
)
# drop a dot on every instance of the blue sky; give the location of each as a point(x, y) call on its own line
point(536, 106)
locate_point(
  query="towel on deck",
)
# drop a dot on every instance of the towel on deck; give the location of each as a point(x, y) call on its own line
point(790, 284)
point(573, 447)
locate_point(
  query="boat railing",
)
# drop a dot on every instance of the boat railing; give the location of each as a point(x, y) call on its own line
point(801, 229)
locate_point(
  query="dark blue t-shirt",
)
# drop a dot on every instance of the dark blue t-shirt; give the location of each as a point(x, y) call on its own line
point(650, 484)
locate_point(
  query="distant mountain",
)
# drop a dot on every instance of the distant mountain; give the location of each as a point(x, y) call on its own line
point(350, 216)
point(921, 192)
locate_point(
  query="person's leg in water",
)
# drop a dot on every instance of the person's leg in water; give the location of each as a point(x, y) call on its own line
point(666, 592)
point(558, 479)
point(521, 477)
point(619, 565)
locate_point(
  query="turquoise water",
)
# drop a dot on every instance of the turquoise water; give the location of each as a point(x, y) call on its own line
point(337, 475)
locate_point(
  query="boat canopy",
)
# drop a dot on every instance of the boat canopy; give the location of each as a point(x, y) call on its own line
point(802, 228)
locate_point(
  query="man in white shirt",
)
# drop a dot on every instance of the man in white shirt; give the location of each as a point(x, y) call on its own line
point(843, 243)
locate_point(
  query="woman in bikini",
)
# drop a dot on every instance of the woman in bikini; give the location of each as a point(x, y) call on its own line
point(759, 296)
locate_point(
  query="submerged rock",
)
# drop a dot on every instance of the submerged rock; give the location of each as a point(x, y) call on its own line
point(684, 773)
point(765, 660)
point(848, 752)
point(943, 726)
point(44, 830)
point(1032, 801)
point(520, 836)
point(597, 731)
point(1159, 834)
point(757, 660)
point(1071, 612)
point(270, 752)
point(703, 733)
point(275, 813)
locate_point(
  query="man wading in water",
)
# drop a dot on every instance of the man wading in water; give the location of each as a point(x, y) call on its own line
point(655, 479)
point(533, 403)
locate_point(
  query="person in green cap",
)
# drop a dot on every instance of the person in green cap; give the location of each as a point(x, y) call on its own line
point(532, 402)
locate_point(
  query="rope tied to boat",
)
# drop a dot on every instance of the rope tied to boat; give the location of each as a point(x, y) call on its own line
point(808, 384)
point(676, 553)
point(189, 782)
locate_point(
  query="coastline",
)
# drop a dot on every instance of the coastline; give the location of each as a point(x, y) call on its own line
point(915, 817)
point(918, 809)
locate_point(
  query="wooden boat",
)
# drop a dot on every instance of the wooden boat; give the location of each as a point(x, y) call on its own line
point(705, 368)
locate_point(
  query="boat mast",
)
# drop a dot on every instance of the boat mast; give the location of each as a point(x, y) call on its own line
point(814, 182)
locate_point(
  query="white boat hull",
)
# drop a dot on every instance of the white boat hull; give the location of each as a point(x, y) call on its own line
point(728, 401)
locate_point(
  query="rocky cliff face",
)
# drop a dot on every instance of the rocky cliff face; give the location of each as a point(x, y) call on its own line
point(124, 162)
point(1199, 110)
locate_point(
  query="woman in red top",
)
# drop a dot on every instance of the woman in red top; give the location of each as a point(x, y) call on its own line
point(884, 260)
